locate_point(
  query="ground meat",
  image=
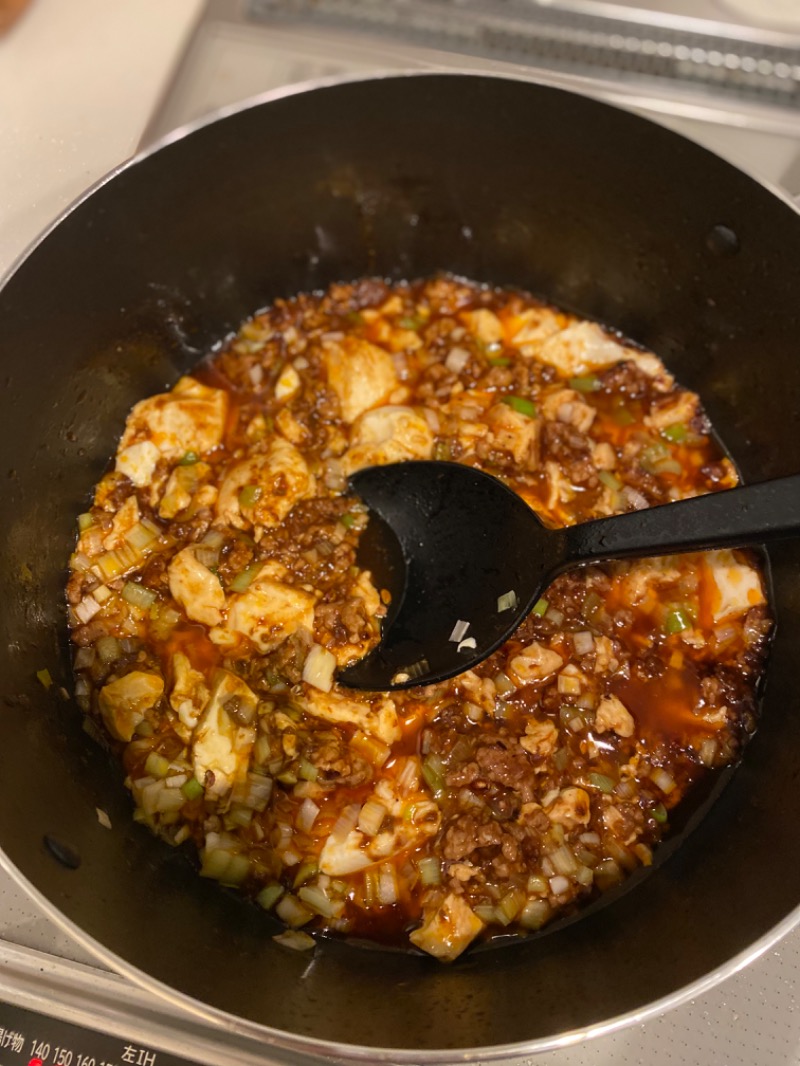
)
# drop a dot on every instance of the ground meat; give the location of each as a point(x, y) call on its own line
point(514, 791)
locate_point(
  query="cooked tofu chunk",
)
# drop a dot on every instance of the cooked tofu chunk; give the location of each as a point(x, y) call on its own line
point(342, 856)
point(123, 703)
point(138, 462)
point(361, 374)
point(566, 405)
point(221, 746)
point(584, 347)
point(448, 930)
point(485, 324)
point(612, 714)
point(182, 488)
point(541, 737)
point(513, 432)
point(268, 612)
point(390, 434)
point(189, 693)
point(191, 418)
point(376, 715)
point(736, 585)
point(260, 491)
point(570, 808)
point(123, 522)
point(535, 663)
point(529, 329)
point(196, 589)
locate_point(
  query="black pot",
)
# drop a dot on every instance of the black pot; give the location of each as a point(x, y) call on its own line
point(502, 181)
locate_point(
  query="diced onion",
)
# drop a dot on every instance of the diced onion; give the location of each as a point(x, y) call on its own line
point(664, 780)
point(290, 910)
point(457, 359)
point(138, 595)
point(316, 899)
point(387, 885)
point(370, 817)
point(459, 631)
point(294, 939)
point(563, 860)
point(86, 609)
point(708, 752)
point(307, 815)
point(108, 649)
point(583, 642)
point(430, 872)
point(535, 913)
point(319, 667)
point(559, 885)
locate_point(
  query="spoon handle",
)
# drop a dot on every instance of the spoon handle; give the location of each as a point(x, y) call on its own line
point(749, 514)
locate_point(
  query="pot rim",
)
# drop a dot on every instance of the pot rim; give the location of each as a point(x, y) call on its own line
point(231, 1024)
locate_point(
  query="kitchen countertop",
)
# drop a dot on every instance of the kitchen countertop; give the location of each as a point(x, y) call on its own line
point(79, 81)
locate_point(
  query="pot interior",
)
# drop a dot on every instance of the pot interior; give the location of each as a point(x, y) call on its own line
point(501, 181)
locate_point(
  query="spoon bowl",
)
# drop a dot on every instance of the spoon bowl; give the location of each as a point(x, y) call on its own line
point(466, 559)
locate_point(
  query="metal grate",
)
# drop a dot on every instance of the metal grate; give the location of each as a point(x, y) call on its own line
point(710, 57)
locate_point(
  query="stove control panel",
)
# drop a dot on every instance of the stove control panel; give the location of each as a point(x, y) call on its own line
point(31, 1039)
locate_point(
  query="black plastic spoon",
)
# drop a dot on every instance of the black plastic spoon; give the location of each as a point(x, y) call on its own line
point(454, 545)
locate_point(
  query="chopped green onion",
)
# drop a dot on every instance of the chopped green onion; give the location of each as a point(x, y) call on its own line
point(108, 649)
point(295, 939)
point(535, 913)
point(237, 870)
point(348, 520)
point(307, 770)
point(663, 780)
point(411, 322)
point(522, 405)
point(659, 812)
point(244, 578)
point(430, 871)
point(156, 765)
point(601, 781)
point(138, 596)
point(433, 772)
point(591, 604)
point(189, 459)
point(293, 912)
point(85, 521)
point(585, 383)
point(676, 621)
point(611, 481)
point(192, 789)
point(667, 466)
point(442, 450)
point(44, 678)
point(269, 896)
point(250, 495)
point(316, 899)
point(506, 602)
point(306, 871)
point(540, 607)
point(355, 318)
point(623, 417)
point(499, 360)
point(676, 433)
